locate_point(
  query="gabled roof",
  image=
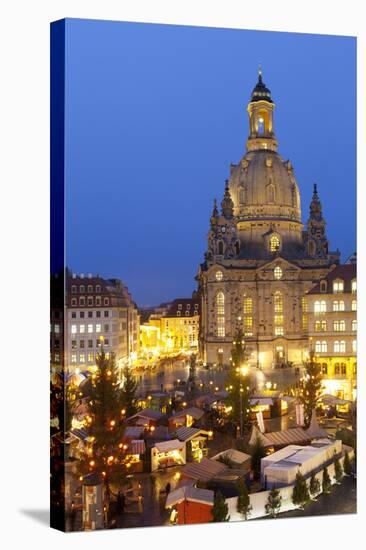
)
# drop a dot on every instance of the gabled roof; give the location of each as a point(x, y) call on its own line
point(186, 434)
point(235, 456)
point(151, 414)
point(346, 272)
point(195, 412)
point(192, 494)
point(166, 446)
point(283, 437)
point(204, 470)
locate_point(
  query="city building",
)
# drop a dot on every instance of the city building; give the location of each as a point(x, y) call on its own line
point(98, 312)
point(180, 325)
point(332, 326)
point(261, 260)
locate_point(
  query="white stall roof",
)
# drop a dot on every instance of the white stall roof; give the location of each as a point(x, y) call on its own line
point(193, 494)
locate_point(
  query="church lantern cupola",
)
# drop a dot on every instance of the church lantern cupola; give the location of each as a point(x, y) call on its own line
point(260, 109)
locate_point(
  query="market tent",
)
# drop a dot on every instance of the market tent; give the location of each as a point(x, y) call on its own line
point(236, 458)
point(187, 434)
point(332, 400)
point(194, 412)
point(192, 494)
point(133, 432)
point(281, 438)
point(148, 414)
point(261, 401)
point(204, 470)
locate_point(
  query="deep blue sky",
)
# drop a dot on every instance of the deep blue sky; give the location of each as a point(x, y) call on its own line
point(154, 116)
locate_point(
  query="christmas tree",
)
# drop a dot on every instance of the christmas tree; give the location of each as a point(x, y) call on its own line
point(220, 509)
point(104, 422)
point(237, 385)
point(314, 485)
point(311, 388)
point(128, 393)
point(347, 464)
point(273, 504)
point(300, 493)
point(326, 483)
point(257, 453)
point(338, 470)
point(243, 505)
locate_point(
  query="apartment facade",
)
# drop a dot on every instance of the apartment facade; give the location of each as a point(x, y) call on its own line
point(332, 327)
point(98, 312)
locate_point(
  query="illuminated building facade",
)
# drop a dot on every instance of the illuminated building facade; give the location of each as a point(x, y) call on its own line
point(98, 312)
point(180, 325)
point(260, 260)
point(332, 318)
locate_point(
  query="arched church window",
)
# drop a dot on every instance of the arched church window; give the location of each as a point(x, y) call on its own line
point(271, 193)
point(260, 125)
point(274, 243)
point(219, 275)
point(242, 195)
point(278, 272)
point(220, 248)
point(220, 314)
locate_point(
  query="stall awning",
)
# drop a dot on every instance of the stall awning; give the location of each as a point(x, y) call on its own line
point(192, 494)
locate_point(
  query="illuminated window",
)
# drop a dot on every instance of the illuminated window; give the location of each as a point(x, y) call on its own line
point(321, 347)
point(304, 305)
point(278, 272)
point(339, 347)
point(324, 368)
point(354, 346)
point(247, 306)
point(219, 276)
point(274, 243)
point(220, 314)
point(320, 306)
point(73, 329)
point(82, 329)
point(339, 326)
point(354, 286)
point(278, 302)
point(90, 357)
point(278, 313)
point(82, 358)
point(338, 286)
point(320, 326)
point(354, 324)
point(73, 358)
point(354, 305)
point(90, 328)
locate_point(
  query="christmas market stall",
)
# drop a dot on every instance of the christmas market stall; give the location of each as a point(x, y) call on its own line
point(168, 453)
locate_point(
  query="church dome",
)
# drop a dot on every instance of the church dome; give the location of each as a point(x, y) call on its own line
point(263, 186)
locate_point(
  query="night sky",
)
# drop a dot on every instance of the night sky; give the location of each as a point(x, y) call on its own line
point(154, 116)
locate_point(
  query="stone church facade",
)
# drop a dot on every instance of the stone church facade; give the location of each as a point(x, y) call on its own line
point(260, 259)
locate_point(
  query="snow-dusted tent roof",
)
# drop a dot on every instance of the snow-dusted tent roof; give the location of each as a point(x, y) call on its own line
point(204, 470)
point(283, 437)
point(193, 494)
point(235, 456)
